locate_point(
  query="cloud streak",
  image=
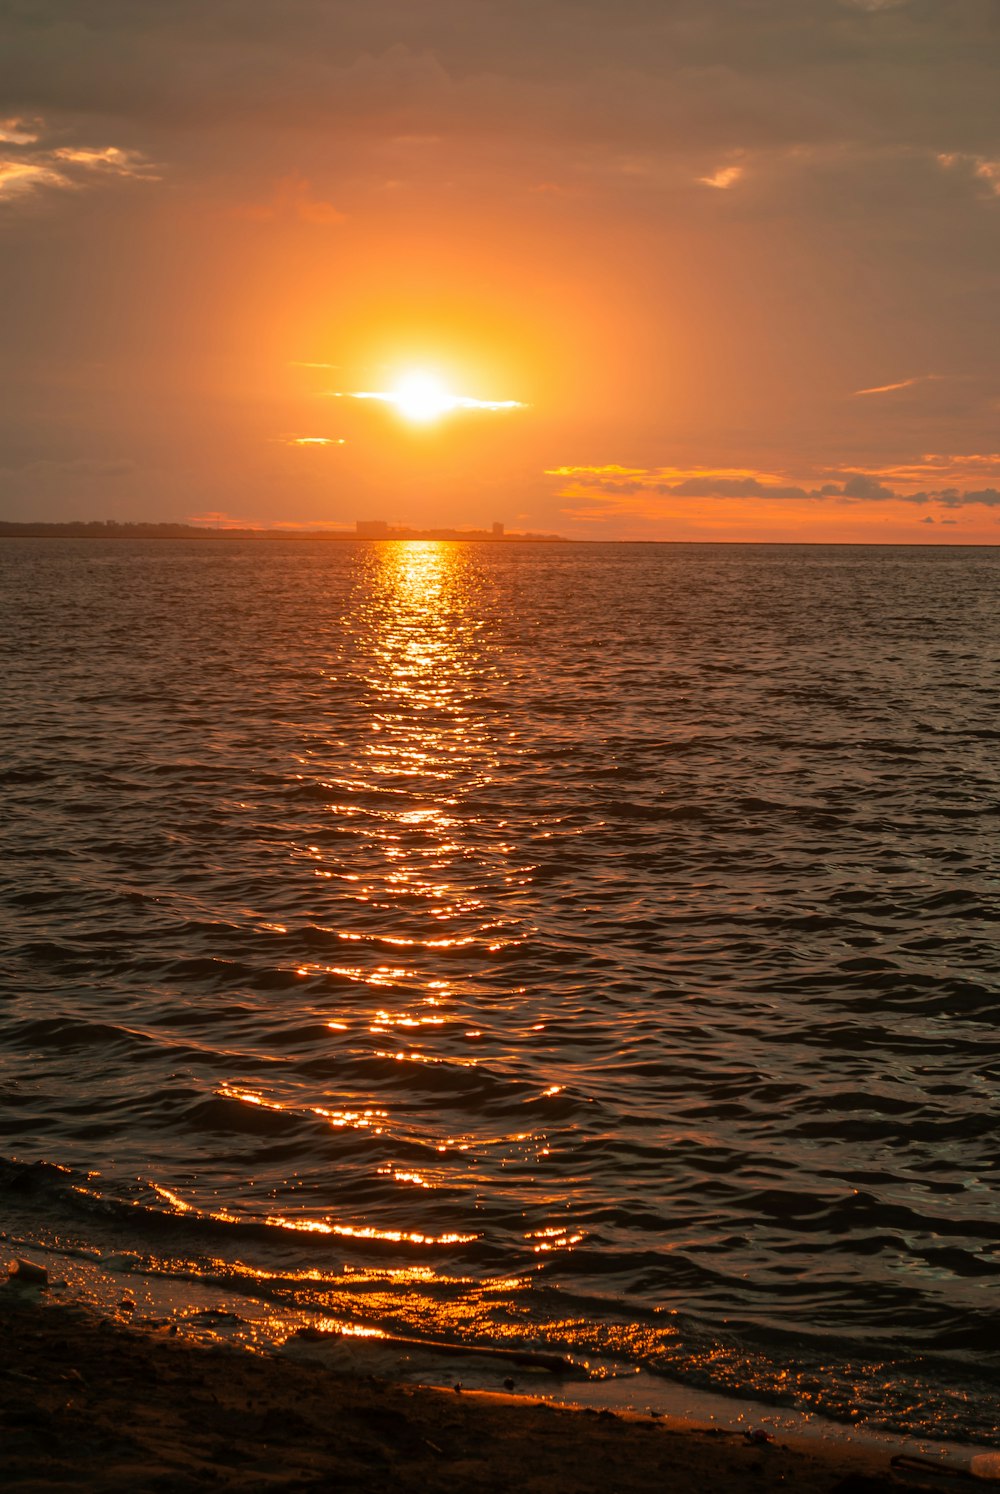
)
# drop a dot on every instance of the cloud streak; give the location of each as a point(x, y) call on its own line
point(851, 487)
point(902, 384)
point(28, 164)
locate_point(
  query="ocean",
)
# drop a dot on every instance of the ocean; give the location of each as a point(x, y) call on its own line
point(590, 947)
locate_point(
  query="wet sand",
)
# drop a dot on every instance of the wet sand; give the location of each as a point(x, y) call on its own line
point(90, 1405)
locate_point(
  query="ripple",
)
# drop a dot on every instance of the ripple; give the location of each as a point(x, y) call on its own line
point(591, 943)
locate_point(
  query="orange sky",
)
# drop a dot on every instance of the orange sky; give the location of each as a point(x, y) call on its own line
point(738, 263)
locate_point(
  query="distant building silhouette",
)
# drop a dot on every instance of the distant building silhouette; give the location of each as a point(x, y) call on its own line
point(363, 529)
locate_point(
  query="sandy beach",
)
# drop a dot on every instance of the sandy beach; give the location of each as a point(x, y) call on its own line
point(88, 1404)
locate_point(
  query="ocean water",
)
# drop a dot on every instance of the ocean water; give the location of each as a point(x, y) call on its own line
point(585, 946)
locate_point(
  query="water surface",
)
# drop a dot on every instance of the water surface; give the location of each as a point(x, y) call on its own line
point(590, 946)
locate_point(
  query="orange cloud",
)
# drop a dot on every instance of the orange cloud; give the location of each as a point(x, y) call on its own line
point(631, 489)
point(17, 132)
point(64, 166)
point(903, 384)
point(726, 176)
point(17, 177)
point(984, 168)
point(942, 470)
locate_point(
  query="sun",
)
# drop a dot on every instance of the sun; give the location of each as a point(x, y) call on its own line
point(421, 397)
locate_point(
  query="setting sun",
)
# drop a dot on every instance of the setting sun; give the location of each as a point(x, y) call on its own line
point(421, 397)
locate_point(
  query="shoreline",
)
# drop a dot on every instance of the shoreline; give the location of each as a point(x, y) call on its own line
point(532, 539)
point(91, 1404)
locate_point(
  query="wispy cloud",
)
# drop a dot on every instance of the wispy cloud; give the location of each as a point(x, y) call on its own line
point(726, 176)
point(106, 158)
point(902, 384)
point(852, 486)
point(28, 164)
point(17, 132)
point(940, 470)
point(983, 168)
point(20, 177)
point(314, 440)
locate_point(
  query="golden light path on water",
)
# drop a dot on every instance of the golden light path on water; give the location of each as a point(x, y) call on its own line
point(426, 659)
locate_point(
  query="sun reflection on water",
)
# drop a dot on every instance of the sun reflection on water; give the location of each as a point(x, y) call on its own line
point(416, 894)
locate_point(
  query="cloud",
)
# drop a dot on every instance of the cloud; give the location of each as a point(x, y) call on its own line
point(860, 485)
point(852, 487)
point(702, 483)
point(940, 470)
point(726, 176)
point(953, 498)
point(983, 168)
point(16, 132)
point(107, 158)
point(669, 76)
point(20, 177)
point(903, 384)
point(34, 165)
point(989, 171)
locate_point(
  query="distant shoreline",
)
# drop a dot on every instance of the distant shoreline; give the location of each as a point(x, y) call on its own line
point(99, 530)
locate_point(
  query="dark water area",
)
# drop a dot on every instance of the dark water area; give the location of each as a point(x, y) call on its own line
point(586, 946)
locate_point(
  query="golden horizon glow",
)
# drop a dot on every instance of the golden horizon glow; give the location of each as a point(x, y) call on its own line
point(421, 397)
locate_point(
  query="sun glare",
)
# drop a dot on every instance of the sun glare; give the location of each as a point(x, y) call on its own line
point(421, 397)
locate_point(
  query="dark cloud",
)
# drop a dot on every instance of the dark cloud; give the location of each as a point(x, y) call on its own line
point(863, 486)
point(954, 498)
point(723, 487)
point(859, 487)
point(669, 72)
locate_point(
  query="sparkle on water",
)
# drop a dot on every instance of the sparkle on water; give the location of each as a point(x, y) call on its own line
point(585, 946)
